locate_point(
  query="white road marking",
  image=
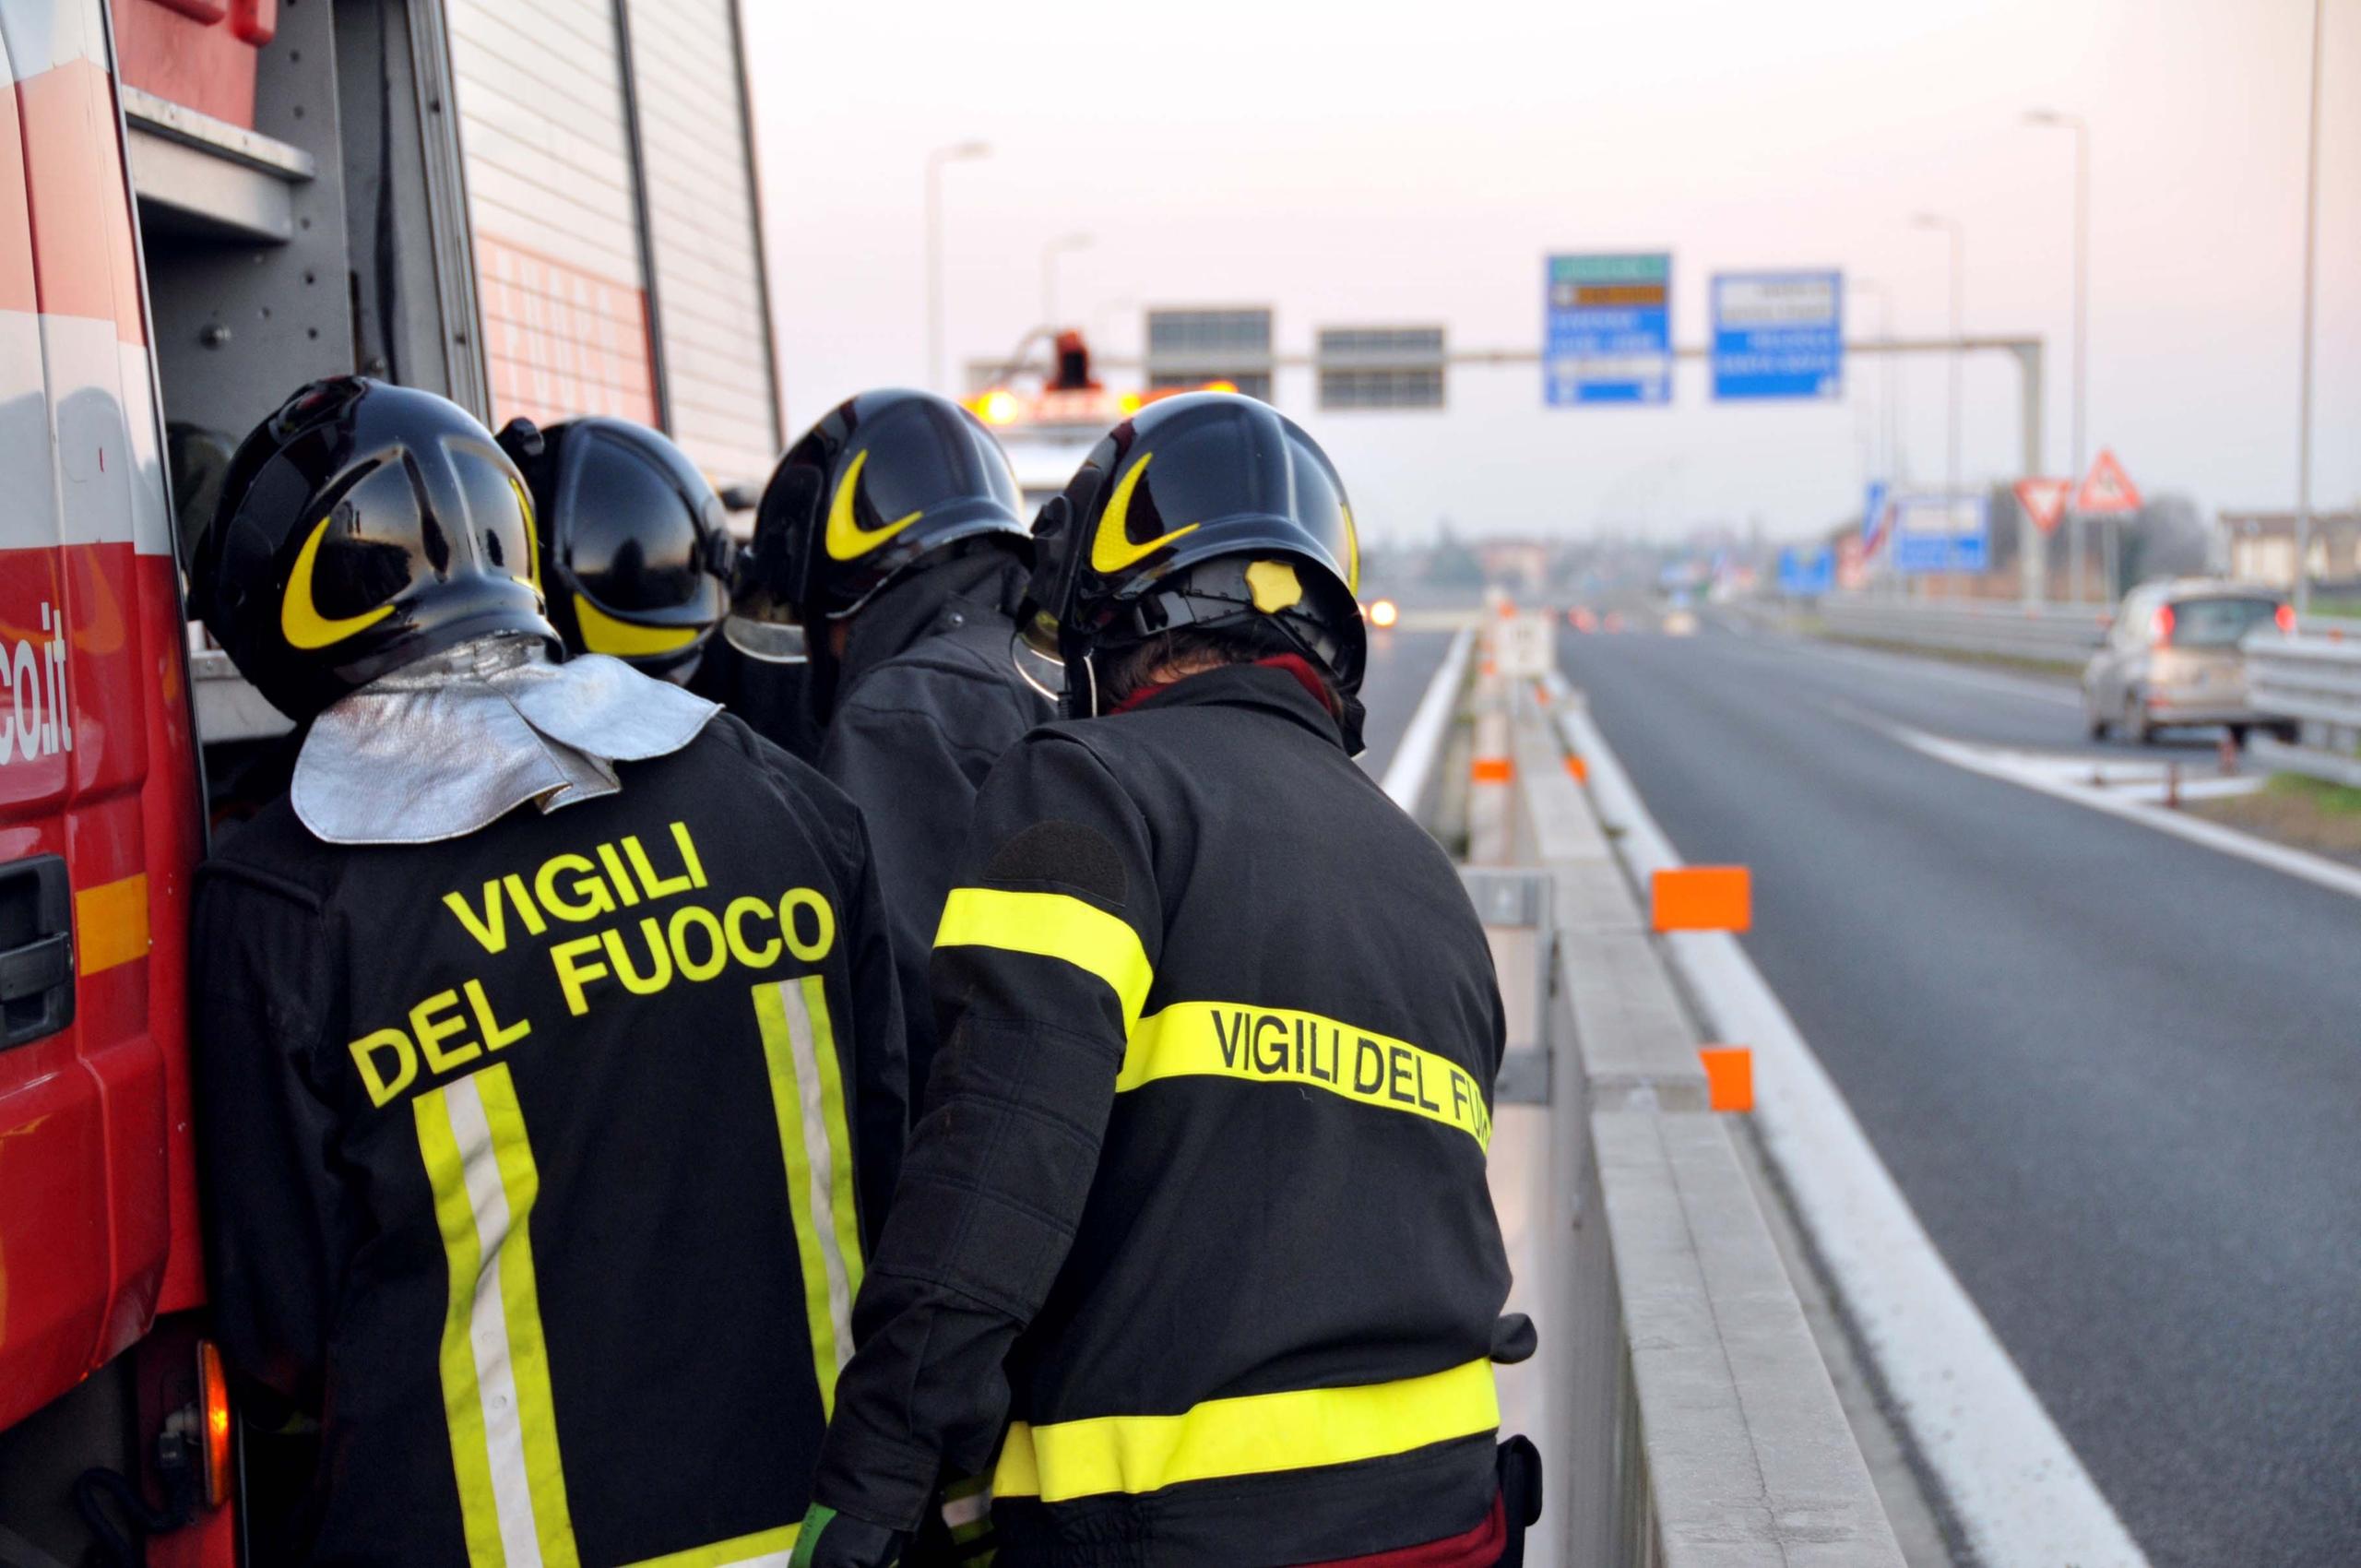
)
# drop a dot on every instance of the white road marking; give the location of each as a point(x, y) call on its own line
point(2044, 775)
point(2013, 1482)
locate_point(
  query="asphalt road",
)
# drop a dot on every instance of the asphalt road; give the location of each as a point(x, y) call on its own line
point(2115, 1072)
point(1400, 665)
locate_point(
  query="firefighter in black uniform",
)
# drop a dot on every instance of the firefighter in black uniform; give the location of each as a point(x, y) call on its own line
point(548, 1043)
point(636, 549)
point(890, 532)
point(1196, 1214)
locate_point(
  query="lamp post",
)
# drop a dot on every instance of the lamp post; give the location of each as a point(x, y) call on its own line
point(2304, 403)
point(1050, 254)
point(2075, 543)
point(1958, 233)
point(1889, 390)
point(957, 152)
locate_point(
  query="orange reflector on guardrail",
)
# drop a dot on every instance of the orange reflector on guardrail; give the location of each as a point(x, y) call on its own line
point(1492, 770)
point(1579, 769)
point(1703, 898)
point(1729, 1077)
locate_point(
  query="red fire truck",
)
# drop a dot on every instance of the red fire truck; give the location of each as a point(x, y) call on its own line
point(204, 203)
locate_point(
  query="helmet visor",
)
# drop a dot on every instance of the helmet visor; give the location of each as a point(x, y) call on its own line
point(631, 540)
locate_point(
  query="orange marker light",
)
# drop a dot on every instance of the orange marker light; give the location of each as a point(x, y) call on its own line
point(1492, 770)
point(1704, 898)
point(1580, 770)
point(1729, 1077)
point(215, 1389)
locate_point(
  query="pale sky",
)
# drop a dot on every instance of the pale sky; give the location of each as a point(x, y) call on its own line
point(1379, 164)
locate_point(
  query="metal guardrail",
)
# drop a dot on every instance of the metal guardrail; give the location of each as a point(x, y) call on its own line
point(2060, 634)
point(2315, 681)
point(2063, 634)
point(1688, 1421)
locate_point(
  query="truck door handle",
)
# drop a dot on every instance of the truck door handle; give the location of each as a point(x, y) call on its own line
point(36, 949)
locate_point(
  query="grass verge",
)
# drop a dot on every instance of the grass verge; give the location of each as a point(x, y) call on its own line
point(2308, 814)
point(2051, 667)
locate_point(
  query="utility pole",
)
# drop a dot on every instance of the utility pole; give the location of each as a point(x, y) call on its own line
point(1958, 233)
point(955, 154)
point(2082, 129)
point(2303, 415)
point(1889, 388)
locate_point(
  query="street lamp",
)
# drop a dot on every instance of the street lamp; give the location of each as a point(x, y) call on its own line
point(2304, 403)
point(1890, 387)
point(957, 152)
point(2082, 129)
point(1050, 254)
point(1958, 233)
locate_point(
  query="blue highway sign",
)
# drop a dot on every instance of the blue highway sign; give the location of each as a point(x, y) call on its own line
point(1808, 576)
point(1934, 533)
point(1607, 334)
point(1874, 515)
point(1778, 333)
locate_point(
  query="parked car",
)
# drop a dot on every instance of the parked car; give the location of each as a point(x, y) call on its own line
point(2172, 658)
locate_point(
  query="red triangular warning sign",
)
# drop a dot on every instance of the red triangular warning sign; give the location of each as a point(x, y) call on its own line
point(2106, 488)
point(2044, 500)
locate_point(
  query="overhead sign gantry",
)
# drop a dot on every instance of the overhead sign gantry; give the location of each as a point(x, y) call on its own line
point(1778, 335)
point(1607, 328)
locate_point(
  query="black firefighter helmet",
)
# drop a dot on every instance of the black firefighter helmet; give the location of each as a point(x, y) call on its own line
point(884, 479)
point(363, 527)
point(634, 546)
point(1210, 510)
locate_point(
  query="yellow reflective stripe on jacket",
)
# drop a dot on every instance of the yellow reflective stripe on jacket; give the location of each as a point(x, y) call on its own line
point(1054, 925)
point(765, 1549)
point(494, 1365)
point(808, 1097)
point(1254, 1434)
point(1279, 1045)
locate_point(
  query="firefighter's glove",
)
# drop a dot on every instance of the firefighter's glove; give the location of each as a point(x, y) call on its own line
point(830, 1540)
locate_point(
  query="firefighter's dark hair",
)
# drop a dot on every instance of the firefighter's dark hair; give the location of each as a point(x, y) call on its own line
point(1131, 668)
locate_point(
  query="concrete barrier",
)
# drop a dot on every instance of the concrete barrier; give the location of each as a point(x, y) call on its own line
point(1679, 1396)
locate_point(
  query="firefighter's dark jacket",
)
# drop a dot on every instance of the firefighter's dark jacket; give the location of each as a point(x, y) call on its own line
point(768, 696)
point(1198, 1197)
point(542, 1159)
point(928, 700)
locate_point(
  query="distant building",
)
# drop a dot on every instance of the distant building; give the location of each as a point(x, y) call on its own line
point(1516, 562)
point(2262, 546)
